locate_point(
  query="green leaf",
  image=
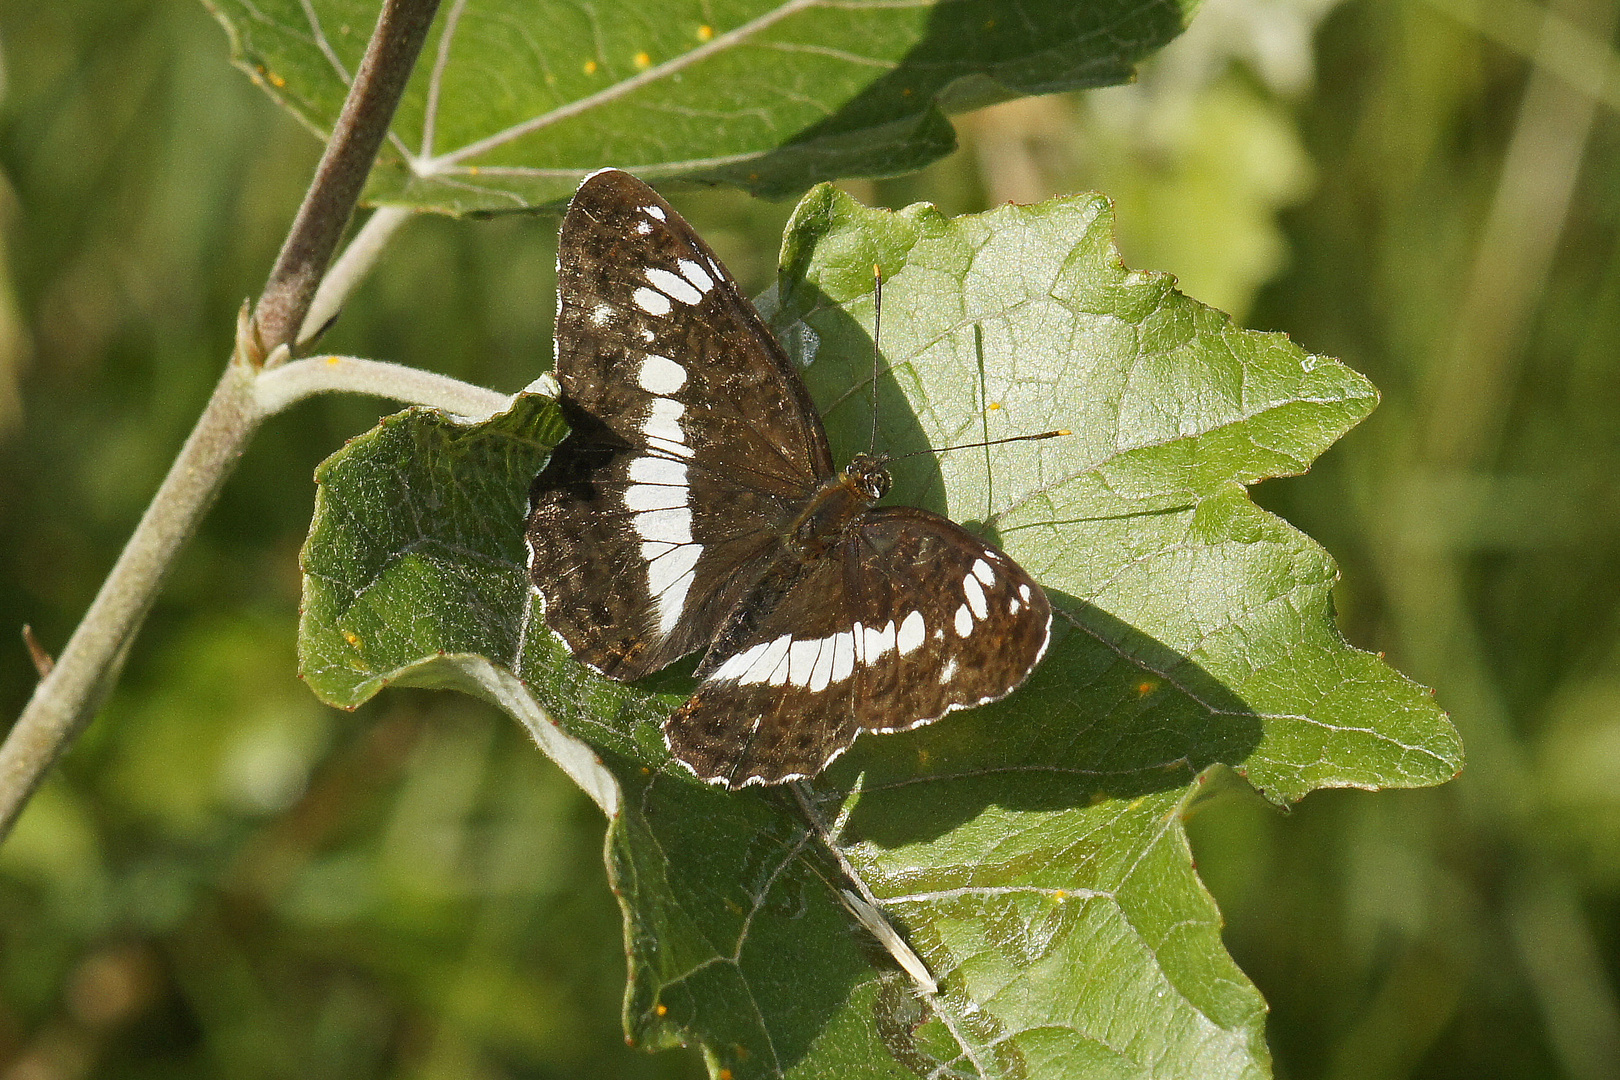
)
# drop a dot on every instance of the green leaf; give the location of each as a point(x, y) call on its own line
point(1032, 851)
point(514, 101)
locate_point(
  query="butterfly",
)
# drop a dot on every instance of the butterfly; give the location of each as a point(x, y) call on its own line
point(694, 506)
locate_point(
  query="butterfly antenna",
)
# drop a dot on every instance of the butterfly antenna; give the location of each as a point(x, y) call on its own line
point(988, 442)
point(877, 330)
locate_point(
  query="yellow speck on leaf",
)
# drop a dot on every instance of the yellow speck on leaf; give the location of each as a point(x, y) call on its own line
point(590, 67)
point(276, 80)
point(994, 405)
point(352, 638)
point(643, 60)
point(1060, 895)
point(705, 33)
point(472, 170)
point(724, 1074)
point(661, 1009)
point(1146, 687)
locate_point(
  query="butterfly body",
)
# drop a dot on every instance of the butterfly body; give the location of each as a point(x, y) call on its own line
point(695, 507)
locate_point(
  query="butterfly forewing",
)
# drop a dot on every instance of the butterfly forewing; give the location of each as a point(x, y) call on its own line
point(692, 437)
point(648, 320)
point(910, 618)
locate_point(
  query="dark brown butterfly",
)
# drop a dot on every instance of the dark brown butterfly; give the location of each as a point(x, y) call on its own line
point(695, 506)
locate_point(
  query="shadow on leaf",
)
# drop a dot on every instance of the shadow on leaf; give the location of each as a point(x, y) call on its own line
point(1111, 713)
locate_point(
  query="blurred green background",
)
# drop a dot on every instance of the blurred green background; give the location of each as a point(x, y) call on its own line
point(227, 879)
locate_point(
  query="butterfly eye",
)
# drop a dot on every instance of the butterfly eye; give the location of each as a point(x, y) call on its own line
point(875, 484)
point(868, 475)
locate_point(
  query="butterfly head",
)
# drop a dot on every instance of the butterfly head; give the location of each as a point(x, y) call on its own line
point(867, 473)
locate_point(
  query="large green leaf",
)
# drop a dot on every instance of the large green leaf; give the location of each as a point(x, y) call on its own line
point(1032, 851)
point(515, 100)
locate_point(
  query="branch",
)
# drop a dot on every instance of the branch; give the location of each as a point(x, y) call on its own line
point(356, 137)
point(68, 696)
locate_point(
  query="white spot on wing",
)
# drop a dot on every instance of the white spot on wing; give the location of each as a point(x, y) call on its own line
point(694, 273)
point(643, 228)
point(673, 285)
point(657, 470)
point(1013, 606)
point(964, 621)
point(821, 674)
point(737, 666)
point(975, 597)
point(666, 526)
point(802, 657)
point(1023, 590)
point(769, 659)
point(660, 374)
point(651, 301)
point(654, 211)
point(664, 421)
point(982, 571)
point(843, 656)
point(640, 497)
point(877, 642)
point(779, 673)
point(911, 633)
point(602, 314)
point(814, 663)
point(672, 601)
point(950, 669)
point(664, 571)
point(678, 449)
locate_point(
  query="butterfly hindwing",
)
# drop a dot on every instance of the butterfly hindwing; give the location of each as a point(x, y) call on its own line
point(912, 618)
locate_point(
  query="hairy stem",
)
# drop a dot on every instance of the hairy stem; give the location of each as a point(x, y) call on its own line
point(356, 137)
